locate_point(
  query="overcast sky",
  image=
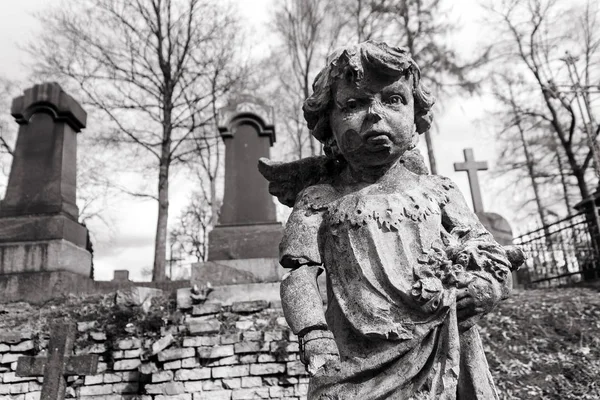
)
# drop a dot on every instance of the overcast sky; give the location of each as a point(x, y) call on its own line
point(462, 124)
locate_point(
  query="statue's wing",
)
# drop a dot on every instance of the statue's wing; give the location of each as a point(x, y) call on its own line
point(288, 179)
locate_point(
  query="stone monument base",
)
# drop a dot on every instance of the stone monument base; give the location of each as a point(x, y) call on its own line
point(226, 272)
point(228, 242)
point(42, 227)
point(46, 255)
point(36, 287)
point(240, 280)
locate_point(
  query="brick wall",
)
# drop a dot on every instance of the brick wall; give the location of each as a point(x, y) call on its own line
point(242, 351)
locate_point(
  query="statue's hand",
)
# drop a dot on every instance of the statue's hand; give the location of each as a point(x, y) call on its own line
point(476, 299)
point(317, 347)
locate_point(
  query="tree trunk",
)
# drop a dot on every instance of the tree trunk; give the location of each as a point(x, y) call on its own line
point(160, 243)
point(430, 155)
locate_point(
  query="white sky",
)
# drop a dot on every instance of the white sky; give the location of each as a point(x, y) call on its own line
point(132, 235)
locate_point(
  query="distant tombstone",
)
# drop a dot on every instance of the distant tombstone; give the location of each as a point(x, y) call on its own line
point(247, 227)
point(121, 276)
point(38, 216)
point(498, 226)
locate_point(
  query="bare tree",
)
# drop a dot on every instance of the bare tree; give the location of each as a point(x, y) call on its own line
point(190, 234)
point(554, 90)
point(309, 31)
point(307, 38)
point(7, 126)
point(153, 67)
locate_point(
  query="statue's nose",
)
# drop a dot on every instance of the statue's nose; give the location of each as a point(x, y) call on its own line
point(374, 112)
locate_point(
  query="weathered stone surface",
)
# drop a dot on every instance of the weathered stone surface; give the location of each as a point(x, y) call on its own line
point(162, 376)
point(230, 372)
point(249, 306)
point(215, 352)
point(238, 271)
point(175, 354)
point(204, 327)
point(192, 375)
point(370, 217)
point(126, 365)
point(254, 393)
point(38, 256)
point(267, 368)
point(23, 346)
point(169, 388)
point(137, 296)
point(244, 242)
point(250, 347)
point(42, 228)
point(206, 309)
point(59, 362)
point(251, 381)
point(40, 287)
point(162, 343)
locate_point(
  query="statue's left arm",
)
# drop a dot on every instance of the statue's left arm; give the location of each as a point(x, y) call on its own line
point(487, 265)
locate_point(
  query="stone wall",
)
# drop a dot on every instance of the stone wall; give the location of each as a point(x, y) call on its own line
point(241, 351)
point(40, 287)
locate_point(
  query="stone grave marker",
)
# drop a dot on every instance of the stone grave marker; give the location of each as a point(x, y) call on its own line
point(39, 229)
point(471, 167)
point(495, 223)
point(247, 227)
point(59, 363)
point(243, 256)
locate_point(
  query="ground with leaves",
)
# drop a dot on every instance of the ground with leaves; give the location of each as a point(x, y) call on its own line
point(540, 344)
point(545, 344)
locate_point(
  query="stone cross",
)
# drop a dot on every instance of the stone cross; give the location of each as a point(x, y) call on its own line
point(59, 362)
point(472, 166)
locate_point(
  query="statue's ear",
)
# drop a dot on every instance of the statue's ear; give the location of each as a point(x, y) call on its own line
point(288, 179)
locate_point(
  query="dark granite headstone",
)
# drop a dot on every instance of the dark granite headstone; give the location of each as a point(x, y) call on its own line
point(59, 362)
point(43, 175)
point(247, 227)
point(38, 215)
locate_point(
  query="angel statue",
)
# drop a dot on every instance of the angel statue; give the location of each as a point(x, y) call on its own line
point(409, 268)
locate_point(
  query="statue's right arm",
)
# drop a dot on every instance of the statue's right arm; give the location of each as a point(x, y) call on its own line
point(303, 309)
point(301, 300)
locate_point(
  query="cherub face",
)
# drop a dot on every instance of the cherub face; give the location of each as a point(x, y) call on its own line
point(373, 123)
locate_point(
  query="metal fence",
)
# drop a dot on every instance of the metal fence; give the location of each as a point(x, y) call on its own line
point(562, 253)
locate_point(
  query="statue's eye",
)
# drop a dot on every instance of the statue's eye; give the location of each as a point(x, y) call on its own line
point(352, 104)
point(395, 99)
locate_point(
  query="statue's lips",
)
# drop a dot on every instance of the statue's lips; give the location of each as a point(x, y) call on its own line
point(377, 139)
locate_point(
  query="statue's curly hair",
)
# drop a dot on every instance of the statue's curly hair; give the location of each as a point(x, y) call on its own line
point(350, 63)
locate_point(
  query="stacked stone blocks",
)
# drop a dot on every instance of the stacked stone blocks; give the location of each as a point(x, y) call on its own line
point(243, 351)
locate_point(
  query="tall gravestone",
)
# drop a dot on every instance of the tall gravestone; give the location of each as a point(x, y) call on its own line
point(243, 247)
point(39, 231)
